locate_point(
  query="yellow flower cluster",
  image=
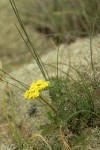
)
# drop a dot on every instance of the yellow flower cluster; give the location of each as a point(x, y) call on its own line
point(35, 89)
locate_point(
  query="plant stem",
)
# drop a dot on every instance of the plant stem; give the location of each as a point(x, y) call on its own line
point(46, 102)
point(91, 50)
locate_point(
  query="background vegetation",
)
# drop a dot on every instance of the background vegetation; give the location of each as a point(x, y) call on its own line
point(70, 18)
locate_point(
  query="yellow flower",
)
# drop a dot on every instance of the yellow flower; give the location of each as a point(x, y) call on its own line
point(35, 89)
point(26, 95)
point(40, 85)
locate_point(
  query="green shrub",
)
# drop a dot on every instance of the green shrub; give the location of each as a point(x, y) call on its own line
point(75, 106)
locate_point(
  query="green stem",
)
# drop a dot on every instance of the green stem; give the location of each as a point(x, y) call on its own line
point(18, 139)
point(46, 102)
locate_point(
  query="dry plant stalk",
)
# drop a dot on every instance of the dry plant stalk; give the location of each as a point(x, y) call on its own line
point(1, 76)
point(0, 65)
point(66, 145)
